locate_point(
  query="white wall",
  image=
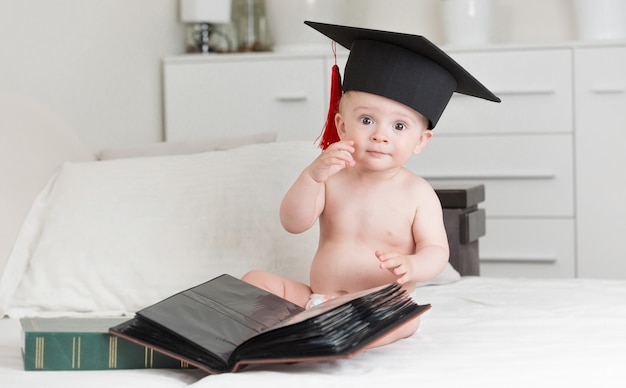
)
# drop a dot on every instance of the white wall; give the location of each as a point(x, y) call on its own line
point(515, 21)
point(97, 62)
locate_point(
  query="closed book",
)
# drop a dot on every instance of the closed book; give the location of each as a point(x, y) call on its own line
point(71, 343)
point(225, 324)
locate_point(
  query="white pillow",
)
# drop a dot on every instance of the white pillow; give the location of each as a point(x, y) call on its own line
point(119, 235)
point(448, 275)
point(116, 236)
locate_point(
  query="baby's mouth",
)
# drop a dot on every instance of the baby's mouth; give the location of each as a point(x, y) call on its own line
point(376, 153)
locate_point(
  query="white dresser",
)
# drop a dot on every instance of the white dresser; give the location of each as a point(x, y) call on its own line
point(549, 155)
point(522, 150)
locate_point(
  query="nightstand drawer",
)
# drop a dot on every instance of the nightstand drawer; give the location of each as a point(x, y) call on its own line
point(524, 176)
point(535, 87)
point(234, 96)
point(528, 248)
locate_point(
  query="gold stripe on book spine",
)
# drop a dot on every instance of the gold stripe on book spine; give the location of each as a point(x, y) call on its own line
point(76, 352)
point(39, 351)
point(148, 358)
point(112, 352)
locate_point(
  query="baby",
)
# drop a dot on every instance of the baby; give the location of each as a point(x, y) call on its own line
point(379, 222)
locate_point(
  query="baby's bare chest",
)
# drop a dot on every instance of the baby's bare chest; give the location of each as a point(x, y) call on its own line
point(370, 217)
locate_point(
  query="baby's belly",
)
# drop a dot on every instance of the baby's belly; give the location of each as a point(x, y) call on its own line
point(341, 268)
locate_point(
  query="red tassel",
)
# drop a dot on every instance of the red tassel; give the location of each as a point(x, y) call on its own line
point(330, 135)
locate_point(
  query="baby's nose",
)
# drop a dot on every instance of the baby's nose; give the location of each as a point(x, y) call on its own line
point(379, 135)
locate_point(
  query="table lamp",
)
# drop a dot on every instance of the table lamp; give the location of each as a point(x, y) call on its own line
point(202, 15)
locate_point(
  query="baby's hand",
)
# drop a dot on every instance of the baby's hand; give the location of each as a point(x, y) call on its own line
point(334, 159)
point(399, 265)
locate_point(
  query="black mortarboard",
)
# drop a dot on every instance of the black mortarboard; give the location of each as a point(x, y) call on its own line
point(406, 68)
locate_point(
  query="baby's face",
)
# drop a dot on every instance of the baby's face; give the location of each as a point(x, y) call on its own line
point(385, 132)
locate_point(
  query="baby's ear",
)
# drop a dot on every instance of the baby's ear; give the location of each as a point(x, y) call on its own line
point(424, 138)
point(340, 124)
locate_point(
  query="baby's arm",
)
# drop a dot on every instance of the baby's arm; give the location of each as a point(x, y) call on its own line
point(305, 200)
point(431, 245)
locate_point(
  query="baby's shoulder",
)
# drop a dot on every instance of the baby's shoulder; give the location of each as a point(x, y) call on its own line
point(417, 187)
point(414, 180)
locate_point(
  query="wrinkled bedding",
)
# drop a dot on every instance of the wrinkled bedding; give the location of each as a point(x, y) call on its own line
point(483, 332)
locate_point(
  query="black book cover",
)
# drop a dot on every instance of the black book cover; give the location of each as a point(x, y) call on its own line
point(224, 324)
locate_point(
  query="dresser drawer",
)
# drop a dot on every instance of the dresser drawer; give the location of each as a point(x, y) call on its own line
point(535, 87)
point(225, 97)
point(524, 176)
point(528, 248)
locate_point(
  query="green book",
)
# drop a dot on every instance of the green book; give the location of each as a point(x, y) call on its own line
point(71, 343)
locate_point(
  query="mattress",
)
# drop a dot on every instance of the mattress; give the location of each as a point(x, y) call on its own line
point(483, 332)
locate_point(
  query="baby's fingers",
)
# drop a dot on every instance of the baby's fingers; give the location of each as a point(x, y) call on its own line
point(340, 156)
point(389, 262)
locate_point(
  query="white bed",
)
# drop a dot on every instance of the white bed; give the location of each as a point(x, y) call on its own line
point(481, 332)
point(108, 237)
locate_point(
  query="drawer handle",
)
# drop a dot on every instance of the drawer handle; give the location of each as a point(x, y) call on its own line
point(491, 176)
point(291, 98)
point(607, 90)
point(519, 259)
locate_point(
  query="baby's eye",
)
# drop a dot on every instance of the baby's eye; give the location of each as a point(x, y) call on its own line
point(399, 127)
point(366, 120)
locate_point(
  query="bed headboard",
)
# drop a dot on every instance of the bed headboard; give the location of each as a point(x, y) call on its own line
point(34, 141)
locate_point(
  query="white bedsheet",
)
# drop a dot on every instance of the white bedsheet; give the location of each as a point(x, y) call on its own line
point(482, 332)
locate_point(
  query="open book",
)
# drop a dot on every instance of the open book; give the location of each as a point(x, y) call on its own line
point(225, 324)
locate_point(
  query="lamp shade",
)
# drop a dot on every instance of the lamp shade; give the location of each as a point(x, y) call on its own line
point(205, 11)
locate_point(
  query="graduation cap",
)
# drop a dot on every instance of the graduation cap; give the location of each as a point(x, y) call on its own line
point(406, 68)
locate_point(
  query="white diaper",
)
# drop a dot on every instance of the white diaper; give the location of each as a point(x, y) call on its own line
point(316, 299)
